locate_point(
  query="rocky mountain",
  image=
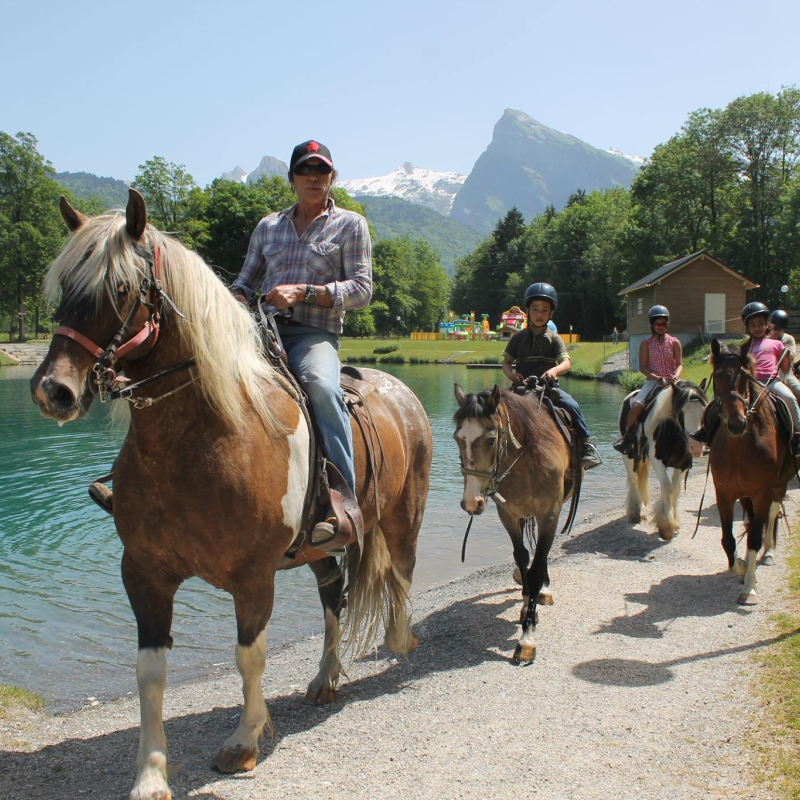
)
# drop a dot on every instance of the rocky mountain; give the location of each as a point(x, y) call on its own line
point(426, 187)
point(392, 218)
point(112, 193)
point(531, 166)
point(236, 175)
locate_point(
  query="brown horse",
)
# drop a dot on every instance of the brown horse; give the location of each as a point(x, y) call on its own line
point(212, 476)
point(750, 460)
point(510, 442)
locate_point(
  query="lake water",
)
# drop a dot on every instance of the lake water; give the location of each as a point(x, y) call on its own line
point(65, 623)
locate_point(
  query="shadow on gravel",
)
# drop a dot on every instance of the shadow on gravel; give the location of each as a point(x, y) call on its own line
point(464, 634)
point(633, 673)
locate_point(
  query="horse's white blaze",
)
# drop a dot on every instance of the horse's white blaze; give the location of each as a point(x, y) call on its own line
point(151, 676)
point(474, 486)
point(251, 661)
point(297, 481)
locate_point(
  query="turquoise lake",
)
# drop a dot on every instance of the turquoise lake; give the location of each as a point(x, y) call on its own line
point(65, 623)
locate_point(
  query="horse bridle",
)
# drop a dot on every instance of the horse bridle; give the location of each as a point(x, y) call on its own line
point(110, 385)
point(750, 403)
point(504, 435)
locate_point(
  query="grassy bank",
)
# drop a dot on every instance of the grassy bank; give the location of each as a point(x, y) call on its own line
point(587, 357)
point(13, 698)
point(778, 684)
point(5, 361)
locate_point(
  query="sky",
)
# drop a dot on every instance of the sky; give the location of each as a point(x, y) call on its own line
point(104, 86)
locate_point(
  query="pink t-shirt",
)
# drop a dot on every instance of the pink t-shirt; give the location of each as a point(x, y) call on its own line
point(766, 353)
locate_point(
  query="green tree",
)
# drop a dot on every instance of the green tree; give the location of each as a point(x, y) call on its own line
point(31, 230)
point(167, 188)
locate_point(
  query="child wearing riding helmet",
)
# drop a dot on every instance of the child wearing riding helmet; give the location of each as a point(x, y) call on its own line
point(778, 323)
point(770, 357)
point(539, 351)
point(661, 361)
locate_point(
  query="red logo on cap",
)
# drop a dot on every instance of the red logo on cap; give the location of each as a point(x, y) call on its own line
point(312, 147)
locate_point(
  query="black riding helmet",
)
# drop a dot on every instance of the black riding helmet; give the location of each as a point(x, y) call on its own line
point(779, 319)
point(658, 311)
point(753, 310)
point(541, 291)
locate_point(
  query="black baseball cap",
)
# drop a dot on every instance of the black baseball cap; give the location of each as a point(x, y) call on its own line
point(310, 149)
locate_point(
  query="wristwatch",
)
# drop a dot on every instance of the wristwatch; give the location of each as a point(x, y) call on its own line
point(311, 294)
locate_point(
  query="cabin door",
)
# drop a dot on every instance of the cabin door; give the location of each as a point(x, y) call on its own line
point(715, 313)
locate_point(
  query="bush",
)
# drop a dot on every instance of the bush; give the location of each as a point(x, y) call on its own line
point(631, 380)
point(387, 348)
point(489, 360)
point(398, 359)
point(417, 360)
point(362, 360)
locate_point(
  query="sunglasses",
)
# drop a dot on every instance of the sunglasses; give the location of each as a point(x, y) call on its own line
point(307, 169)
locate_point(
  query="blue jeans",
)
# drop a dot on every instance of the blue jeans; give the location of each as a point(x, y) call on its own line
point(570, 404)
point(314, 358)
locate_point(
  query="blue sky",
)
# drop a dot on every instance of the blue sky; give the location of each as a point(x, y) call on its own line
point(105, 86)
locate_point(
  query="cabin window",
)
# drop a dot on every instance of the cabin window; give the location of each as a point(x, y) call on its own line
point(639, 305)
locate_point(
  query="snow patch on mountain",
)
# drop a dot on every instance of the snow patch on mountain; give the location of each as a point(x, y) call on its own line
point(426, 187)
point(237, 175)
point(638, 160)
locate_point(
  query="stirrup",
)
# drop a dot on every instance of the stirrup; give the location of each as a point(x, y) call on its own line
point(625, 445)
point(102, 496)
point(325, 537)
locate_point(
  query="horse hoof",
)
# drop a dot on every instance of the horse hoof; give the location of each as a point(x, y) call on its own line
point(517, 576)
point(666, 536)
point(747, 598)
point(235, 759)
point(545, 598)
point(524, 654)
point(319, 695)
point(768, 560)
point(634, 519)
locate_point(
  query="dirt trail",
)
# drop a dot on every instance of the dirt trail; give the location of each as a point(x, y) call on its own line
point(639, 690)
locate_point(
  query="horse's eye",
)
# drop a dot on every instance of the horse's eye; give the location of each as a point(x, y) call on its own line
point(122, 289)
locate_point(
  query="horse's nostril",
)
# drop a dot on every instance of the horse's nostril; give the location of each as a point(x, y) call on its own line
point(61, 397)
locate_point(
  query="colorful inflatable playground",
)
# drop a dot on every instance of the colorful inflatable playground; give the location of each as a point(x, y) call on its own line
point(468, 328)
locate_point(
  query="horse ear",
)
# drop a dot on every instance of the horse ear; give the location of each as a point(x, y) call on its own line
point(703, 384)
point(494, 399)
point(715, 348)
point(135, 215)
point(72, 217)
point(460, 396)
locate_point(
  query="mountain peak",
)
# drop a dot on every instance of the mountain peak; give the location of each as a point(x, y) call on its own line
point(426, 187)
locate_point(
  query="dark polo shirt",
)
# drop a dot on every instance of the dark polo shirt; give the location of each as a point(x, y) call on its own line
point(534, 354)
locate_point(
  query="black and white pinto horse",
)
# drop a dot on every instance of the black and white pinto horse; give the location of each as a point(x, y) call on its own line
point(663, 443)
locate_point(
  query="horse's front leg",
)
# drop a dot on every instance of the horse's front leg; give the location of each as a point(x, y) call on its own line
point(152, 602)
point(666, 508)
point(767, 557)
point(239, 752)
point(330, 584)
point(726, 506)
point(762, 515)
point(535, 578)
point(521, 554)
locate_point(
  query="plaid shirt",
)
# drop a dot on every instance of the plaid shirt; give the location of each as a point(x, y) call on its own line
point(335, 251)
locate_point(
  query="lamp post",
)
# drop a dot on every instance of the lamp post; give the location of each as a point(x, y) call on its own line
point(398, 328)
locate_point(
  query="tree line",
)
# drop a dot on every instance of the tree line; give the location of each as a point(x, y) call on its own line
point(727, 182)
point(411, 289)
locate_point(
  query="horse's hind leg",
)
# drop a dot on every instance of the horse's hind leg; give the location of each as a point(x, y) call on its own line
point(771, 534)
point(239, 752)
point(330, 584)
point(401, 543)
point(151, 601)
point(638, 489)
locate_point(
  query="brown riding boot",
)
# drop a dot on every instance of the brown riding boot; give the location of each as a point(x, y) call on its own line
point(627, 443)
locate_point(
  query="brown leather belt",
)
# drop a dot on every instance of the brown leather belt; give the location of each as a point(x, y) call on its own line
point(286, 321)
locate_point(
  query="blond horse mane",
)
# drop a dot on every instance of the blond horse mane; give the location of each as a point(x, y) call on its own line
point(218, 331)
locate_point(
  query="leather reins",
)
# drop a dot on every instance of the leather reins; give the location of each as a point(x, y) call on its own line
point(110, 385)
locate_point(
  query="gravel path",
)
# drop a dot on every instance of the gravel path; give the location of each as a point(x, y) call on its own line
point(639, 690)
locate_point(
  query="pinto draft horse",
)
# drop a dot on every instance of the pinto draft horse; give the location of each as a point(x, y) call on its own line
point(750, 460)
point(662, 444)
point(511, 441)
point(212, 476)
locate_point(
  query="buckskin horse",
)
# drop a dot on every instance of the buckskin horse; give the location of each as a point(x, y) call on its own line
point(663, 443)
point(509, 439)
point(750, 460)
point(212, 476)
